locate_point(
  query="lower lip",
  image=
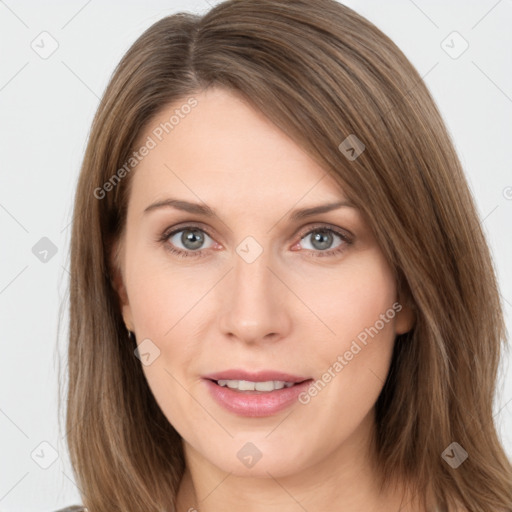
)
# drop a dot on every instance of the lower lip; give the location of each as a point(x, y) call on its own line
point(256, 403)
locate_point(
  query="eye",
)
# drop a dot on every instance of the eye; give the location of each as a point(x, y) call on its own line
point(322, 239)
point(191, 239)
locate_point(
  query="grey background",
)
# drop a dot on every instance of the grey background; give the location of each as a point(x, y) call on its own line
point(47, 105)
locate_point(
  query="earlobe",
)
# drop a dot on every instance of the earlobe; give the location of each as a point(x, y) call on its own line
point(126, 310)
point(406, 316)
point(119, 286)
point(405, 320)
point(127, 317)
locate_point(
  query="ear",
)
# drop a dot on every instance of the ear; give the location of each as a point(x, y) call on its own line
point(117, 281)
point(406, 317)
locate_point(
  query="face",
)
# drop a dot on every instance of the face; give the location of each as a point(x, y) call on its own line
point(253, 293)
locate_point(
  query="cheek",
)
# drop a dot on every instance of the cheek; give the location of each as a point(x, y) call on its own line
point(156, 290)
point(163, 311)
point(353, 298)
point(359, 305)
point(162, 305)
point(167, 306)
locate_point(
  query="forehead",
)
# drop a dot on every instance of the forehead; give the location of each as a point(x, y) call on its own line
point(223, 150)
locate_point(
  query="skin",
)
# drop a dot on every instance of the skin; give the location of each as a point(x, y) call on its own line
point(289, 310)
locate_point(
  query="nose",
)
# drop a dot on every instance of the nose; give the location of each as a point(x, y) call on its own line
point(255, 302)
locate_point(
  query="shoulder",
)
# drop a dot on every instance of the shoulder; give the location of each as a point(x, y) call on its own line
point(73, 508)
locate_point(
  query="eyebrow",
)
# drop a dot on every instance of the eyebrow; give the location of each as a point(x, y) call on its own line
point(206, 211)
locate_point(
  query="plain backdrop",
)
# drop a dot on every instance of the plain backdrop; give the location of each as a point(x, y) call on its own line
point(47, 103)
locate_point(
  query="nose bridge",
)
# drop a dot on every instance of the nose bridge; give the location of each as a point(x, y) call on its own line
point(252, 277)
point(254, 305)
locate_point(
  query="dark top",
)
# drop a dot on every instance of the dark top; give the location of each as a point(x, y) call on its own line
point(73, 508)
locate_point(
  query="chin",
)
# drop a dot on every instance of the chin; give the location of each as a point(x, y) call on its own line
point(257, 457)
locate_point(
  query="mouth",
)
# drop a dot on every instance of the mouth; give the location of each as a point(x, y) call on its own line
point(255, 394)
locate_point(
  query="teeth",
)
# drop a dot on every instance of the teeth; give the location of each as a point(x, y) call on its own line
point(247, 385)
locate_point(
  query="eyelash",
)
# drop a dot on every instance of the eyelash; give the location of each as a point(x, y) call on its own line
point(201, 253)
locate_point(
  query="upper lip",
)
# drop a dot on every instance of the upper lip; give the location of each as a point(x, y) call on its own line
point(259, 376)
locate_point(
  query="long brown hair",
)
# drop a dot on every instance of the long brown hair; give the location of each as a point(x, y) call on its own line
point(320, 72)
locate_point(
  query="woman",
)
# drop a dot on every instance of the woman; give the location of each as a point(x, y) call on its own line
point(281, 295)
